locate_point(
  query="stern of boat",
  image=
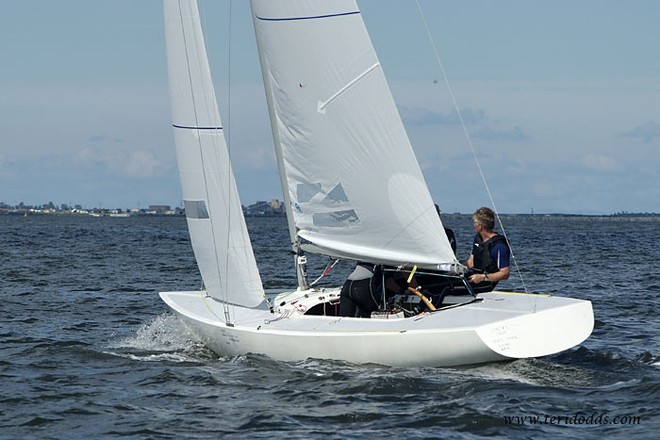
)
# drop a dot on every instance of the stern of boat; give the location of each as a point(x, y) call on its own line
point(557, 325)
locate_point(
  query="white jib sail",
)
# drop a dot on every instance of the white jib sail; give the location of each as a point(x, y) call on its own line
point(354, 183)
point(217, 228)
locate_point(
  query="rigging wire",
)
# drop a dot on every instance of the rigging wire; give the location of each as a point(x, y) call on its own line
point(230, 182)
point(204, 173)
point(228, 143)
point(469, 139)
point(328, 268)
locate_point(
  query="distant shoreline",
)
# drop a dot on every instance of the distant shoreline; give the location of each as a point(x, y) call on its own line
point(617, 216)
point(270, 208)
point(181, 213)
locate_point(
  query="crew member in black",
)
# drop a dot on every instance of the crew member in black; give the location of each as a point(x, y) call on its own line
point(490, 257)
point(450, 234)
point(362, 292)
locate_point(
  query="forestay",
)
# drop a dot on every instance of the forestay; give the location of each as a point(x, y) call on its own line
point(217, 228)
point(354, 184)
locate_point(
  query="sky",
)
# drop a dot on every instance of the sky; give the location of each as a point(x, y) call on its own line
point(561, 102)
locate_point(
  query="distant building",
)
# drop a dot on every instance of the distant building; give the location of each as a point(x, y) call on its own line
point(273, 208)
point(160, 210)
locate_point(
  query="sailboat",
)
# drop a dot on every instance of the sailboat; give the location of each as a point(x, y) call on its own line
point(353, 190)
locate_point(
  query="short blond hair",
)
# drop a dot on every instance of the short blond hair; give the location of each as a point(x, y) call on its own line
point(485, 217)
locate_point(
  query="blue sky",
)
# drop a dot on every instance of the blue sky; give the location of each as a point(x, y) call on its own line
point(561, 101)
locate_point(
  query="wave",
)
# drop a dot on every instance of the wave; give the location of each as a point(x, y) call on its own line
point(165, 338)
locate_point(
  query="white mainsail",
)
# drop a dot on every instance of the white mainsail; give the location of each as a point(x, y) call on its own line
point(354, 185)
point(217, 228)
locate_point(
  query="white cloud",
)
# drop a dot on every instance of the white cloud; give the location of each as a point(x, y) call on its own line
point(144, 164)
point(515, 134)
point(426, 116)
point(140, 163)
point(648, 131)
point(600, 162)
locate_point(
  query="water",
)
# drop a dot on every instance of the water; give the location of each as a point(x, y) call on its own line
point(88, 350)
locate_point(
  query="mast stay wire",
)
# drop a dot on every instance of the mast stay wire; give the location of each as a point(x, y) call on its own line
point(226, 305)
point(469, 139)
point(227, 136)
point(226, 131)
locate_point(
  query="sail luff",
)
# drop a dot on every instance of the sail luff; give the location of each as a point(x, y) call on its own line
point(294, 240)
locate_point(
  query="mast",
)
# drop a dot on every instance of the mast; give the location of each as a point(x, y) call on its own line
point(299, 258)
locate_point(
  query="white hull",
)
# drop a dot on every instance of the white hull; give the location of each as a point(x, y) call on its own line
point(501, 326)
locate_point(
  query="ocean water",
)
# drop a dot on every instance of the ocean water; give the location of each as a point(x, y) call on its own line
point(88, 350)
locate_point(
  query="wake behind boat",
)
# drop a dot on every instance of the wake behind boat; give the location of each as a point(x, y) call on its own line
point(353, 190)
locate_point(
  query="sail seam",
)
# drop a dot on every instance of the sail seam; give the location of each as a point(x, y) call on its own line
point(311, 17)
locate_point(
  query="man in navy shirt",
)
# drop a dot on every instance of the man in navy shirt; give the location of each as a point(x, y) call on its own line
point(490, 255)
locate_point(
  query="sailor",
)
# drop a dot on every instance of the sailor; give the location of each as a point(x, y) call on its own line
point(490, 257)
point(362, 292)
point(450, 234)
